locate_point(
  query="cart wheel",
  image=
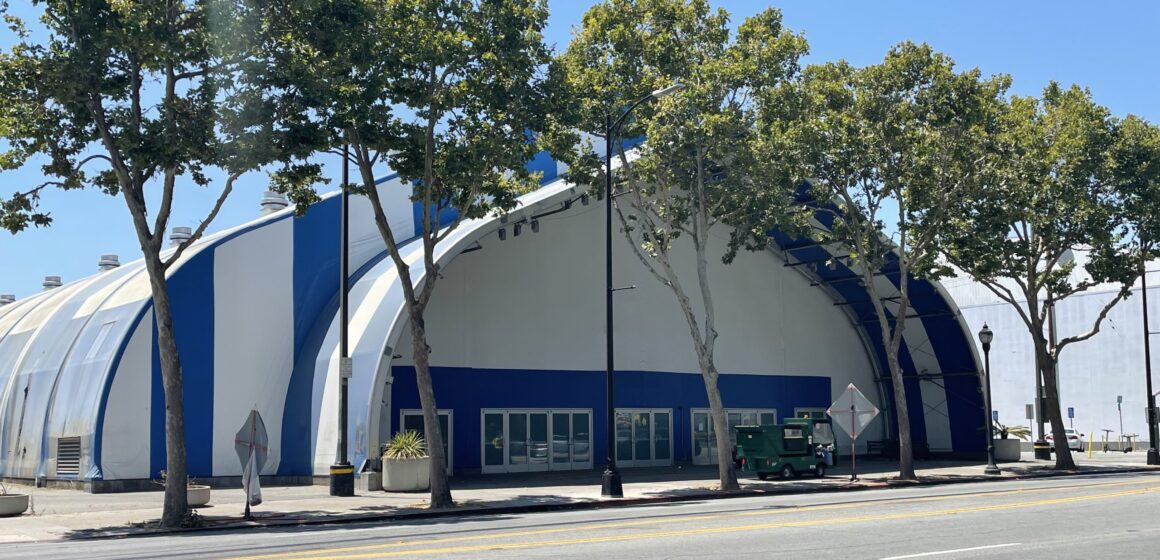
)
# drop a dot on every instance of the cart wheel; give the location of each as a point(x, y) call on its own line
point(787, 471)
point(762, 476)
point(821, 470)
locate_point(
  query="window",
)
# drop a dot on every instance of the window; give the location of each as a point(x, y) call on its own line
point(809, 412)
point(793, 439)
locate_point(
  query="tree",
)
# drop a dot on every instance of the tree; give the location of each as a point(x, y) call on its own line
point(706, 166)
point(449, 94)
point(891, 147)
point(131, 98)
point(1068, 178)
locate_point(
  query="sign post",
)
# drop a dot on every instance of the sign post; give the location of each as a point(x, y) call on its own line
point(252, 446)
point(1120, 410)
point(1071, 416)
point(853, 412)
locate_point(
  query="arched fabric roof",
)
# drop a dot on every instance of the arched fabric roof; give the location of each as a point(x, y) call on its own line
point(256, 315)
point(938, 356)
point(62, 350)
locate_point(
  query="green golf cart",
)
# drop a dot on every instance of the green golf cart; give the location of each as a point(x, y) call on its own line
point(799, 445)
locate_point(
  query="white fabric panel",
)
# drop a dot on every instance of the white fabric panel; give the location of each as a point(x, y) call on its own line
point(77, 399)
point(125, 437)
point(376, 323)
point(365, 241)
point(30, 387)
point(253, 338)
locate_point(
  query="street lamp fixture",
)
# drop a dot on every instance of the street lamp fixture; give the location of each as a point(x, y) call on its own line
point(986, 335)
point(610, 486)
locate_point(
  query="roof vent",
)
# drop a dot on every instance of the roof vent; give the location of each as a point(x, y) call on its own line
point(180, 235)
point(108, 262)
point(6, 299)
point(273, 202)
point(51, 282)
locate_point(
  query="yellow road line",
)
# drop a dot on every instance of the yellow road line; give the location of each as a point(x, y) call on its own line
point(684, 519)
point(721, 530)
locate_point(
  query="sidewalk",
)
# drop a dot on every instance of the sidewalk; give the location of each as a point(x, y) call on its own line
point(71, 514)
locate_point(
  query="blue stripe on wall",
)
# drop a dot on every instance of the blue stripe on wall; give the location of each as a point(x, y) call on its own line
point(964, 398)
point(316, 285)
point(467, 391)
point(543, 163)
point(193, 323)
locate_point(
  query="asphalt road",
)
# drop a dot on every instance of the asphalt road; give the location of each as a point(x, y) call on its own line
point(1111, 516)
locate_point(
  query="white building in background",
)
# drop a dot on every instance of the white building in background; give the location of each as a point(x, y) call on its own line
point(1093, 374)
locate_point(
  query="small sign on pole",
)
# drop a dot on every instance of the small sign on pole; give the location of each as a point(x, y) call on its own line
point(1030, 411)
point(994, 415)
point(852, 412)
point(1071, 412)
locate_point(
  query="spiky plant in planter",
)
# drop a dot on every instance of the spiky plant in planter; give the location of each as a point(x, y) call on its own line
point(406, 445)
point(406, 464)
point(1007, 449)
point(1021, 432)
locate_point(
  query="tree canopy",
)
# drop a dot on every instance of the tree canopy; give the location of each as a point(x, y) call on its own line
point(453, 95)
point(132, 98)
point(1068, 177)
point(706, 164)
point(889, 149)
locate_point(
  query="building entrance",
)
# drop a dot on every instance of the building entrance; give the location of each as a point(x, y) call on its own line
point(522, 440)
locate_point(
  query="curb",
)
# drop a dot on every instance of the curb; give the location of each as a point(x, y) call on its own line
point(594, 504)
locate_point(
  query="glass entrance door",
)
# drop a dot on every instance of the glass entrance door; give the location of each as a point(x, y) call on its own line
point(570, 449)
point(536, 440)
point(494, 441)
point(644, 438)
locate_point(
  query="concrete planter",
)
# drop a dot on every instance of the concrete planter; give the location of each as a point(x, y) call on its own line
point(406, 475)
point(1006, 450)
point(13, 504)
point(197, 495)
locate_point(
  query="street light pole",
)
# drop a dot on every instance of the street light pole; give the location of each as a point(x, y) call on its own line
point(1153, 454)
point(985, 336)
point(341, 472)
point(610, 485)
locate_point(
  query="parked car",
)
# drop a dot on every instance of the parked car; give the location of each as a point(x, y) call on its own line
point(1074, 439)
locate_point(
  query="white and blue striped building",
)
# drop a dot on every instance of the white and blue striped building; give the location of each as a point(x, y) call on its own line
point(517, 335)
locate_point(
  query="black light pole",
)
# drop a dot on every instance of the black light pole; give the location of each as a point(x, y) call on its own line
point(985, 336)
point(610, 485)
point(1153, 454)
point(341, 472)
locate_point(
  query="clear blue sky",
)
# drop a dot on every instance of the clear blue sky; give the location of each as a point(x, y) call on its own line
point(1111, 47)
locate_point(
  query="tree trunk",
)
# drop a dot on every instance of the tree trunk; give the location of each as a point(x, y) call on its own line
point(905, 452)
point(1063, 460)
point(725, 467)
point(176, 504)
point(440, 489)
